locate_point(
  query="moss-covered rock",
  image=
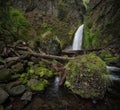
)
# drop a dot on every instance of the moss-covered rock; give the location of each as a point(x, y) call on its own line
point(87, 76)
point(50, 44)
point(37, 76)
point(108, 57)
point(37, 85)
point(5, 74)
point(17, 68)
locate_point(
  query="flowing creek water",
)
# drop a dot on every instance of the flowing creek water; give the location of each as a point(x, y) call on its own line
point(61, 98)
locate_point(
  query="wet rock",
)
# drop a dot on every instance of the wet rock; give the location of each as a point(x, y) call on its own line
point(17, 90)
point(37, 85)
point(1, 66)
point(15, 77)
point(9, 107)
point(1, 107)
point(5, 74)
point(3, 96)
point(27, 96)
point(17, 68)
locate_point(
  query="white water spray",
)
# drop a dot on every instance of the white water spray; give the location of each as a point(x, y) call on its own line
point(77, 42)
point(113, 68)
point(56, 83)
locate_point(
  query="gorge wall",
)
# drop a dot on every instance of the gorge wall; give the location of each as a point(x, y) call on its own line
point(102, 24)
point(61, 17)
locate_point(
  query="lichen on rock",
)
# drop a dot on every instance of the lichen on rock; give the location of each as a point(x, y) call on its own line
point(87, 76)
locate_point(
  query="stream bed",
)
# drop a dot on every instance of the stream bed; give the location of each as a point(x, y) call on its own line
point(60, 98)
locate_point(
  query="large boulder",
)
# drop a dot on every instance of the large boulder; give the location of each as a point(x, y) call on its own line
point(87, 76)
point(3, 96)
point(50, 44)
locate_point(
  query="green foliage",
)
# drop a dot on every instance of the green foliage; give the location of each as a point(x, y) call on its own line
point(1, 59)
point(19, 23)
point(36, 71)
point(37, 41)
point(24, 78)
point(91, 37)
point(86, 2)
point(67, 84)
point(13, 24)
point(108, 57)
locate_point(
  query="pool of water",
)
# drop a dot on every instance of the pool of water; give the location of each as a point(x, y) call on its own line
point(60, 98)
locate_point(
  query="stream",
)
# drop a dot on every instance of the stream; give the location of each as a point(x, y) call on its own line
point(61, 98)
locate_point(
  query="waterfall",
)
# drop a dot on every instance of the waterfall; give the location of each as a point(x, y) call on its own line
point(113, 68)
point(56, 83)
point(77, 42)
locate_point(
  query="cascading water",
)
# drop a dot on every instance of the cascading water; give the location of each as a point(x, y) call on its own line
point(77, 42)
point(56, 84)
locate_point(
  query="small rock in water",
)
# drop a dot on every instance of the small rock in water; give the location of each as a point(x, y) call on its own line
point(3, 96)
point(94, 101)
point(9, 107)
point(5, 74)
point(27, 96)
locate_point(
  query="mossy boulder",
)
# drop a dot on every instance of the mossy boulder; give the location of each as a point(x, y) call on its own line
point(37, 85)
point(87, 76)
point(37, 76)
point(50, 44)
point(109, 57)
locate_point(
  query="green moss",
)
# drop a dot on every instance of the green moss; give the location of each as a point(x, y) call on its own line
point(108, 57)
point(44, 72)
point(87, 76)
point(24, 78)
point(36, 71)
point(67, 84)
point(37, 85)
point(91, 36)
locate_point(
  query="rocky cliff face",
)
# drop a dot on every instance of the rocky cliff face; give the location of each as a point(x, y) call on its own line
point(102, 24)
point(62, 17)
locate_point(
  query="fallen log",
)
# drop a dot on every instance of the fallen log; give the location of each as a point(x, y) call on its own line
point(79, 52)
point(51, 57)
point(41, 54)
